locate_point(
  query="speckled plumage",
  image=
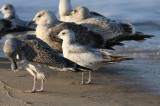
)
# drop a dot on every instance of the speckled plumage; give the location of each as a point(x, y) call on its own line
point(49, 26)
point(111, 30)
point(35, 50)
point(36, 57)
point(83, 35)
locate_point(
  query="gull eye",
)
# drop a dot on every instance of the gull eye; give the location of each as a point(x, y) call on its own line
point(39, 16)
point(63, 33)
point(6, 8)
point(75, 11)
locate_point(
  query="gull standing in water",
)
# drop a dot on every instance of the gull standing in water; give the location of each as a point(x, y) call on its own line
point(48, 26)
point(85, 55)
point(32, 54)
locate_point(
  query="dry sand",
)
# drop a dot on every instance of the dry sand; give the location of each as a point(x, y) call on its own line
point(109, 87)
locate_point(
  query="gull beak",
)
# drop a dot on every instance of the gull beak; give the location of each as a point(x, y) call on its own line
point(30, 22)
point(13, 66)
point(0, 11)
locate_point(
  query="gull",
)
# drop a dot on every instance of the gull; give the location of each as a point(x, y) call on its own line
point(110, 29)
point(48, 26)
point(65, 8)
point(10, 14)
point(32, 54)
point(85, 55)
point(9, 27)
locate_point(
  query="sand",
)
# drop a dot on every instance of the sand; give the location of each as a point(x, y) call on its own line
point(114, 85)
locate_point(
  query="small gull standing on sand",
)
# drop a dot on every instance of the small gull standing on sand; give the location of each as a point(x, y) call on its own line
point(48, 26)
point(110, 29)
point(65, 8)
point(36, 57)
point(85, 55)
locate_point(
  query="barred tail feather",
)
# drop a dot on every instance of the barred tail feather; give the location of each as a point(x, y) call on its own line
point(119, 58)
point(128, 28)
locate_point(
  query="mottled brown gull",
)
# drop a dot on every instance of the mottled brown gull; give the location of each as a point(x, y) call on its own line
point(110, 29)
point(48, 26)
point(32, 54)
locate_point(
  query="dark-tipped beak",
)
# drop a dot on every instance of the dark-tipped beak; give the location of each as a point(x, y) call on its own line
point(13, 66)
point(69, 14)
point(0, 11)
point(30, 23)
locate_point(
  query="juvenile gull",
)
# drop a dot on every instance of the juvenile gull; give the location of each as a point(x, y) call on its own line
point(37, 57)
point(110, 29)
point(85, 55)
point(48, 26)
point(65, 8)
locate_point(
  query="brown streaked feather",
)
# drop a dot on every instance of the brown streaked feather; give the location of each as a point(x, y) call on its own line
point(83, 36)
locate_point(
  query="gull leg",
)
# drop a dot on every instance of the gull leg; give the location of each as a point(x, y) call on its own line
point(34, 86)
point(82, 78)
point(42, 86)
point(89, 79)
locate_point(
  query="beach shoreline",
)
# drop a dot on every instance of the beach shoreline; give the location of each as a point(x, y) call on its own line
point(111, 86)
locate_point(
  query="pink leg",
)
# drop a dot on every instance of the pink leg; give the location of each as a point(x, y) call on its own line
point(42, 84)
point(89, 79)
point(34, 86)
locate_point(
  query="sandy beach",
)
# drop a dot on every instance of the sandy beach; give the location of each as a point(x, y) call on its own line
point(114, 85)
point(129, 83)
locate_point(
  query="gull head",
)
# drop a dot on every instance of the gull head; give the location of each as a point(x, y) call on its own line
point(80, 13)
point(44, 17)
point(67, 35)
point(11, 50)
point(9, 11)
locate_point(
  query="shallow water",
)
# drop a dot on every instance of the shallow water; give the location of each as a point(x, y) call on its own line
point(143, 14)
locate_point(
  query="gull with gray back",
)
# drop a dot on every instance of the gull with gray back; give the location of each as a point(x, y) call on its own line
point(85, 55)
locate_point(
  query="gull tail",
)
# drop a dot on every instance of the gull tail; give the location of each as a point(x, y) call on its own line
point(117, 59)
point(81, 68)
point(132, 35)
point(139, 36)
point(109, 44)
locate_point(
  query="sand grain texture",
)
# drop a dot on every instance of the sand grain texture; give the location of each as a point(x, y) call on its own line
point(110, 87)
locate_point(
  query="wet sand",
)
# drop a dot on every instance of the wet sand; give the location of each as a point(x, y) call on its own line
point(114, 85)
